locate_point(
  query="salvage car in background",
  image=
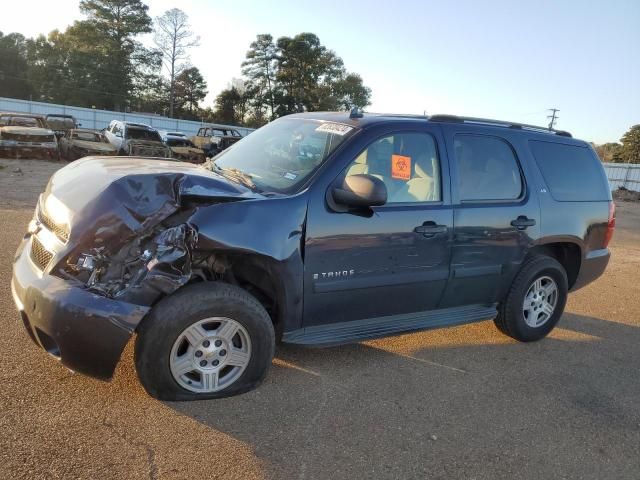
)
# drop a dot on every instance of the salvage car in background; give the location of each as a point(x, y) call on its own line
point(24, 135)
point(136, 139)
point(81, 142)
point(60, 124)
point(213, 140)
point(182, 148)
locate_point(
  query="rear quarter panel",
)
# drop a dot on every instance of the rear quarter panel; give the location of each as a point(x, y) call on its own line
point(583, 223)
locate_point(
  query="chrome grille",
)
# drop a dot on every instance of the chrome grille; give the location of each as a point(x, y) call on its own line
point(39, 255)
point(59, 230)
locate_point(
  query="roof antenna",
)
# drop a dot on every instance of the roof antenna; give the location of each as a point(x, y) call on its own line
point(355, 113)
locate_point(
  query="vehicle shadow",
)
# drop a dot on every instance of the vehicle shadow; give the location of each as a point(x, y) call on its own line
point(465, 402)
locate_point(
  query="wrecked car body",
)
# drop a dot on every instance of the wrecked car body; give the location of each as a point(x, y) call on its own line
point(26, 136)
point(143, 148)
point(78, 143)
point(184, 150)
point(213, 140)
point(136, 139)
point(141, 238)
point(60, 123)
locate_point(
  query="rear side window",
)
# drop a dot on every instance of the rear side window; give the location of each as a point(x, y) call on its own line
point(487, 169)
point(572, 172)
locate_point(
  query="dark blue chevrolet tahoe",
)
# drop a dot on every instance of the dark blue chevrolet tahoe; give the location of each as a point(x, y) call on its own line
point(317, 229)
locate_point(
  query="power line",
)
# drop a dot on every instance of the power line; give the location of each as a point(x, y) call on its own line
point(553, 117)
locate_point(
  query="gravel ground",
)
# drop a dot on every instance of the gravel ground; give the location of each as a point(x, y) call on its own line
point(464, 402)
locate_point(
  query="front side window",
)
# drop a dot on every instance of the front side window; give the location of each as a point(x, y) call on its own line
point(487, 169)
point(284, 153)
point(407, 163)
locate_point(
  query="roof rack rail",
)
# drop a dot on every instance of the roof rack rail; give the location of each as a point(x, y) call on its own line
point(496, 123)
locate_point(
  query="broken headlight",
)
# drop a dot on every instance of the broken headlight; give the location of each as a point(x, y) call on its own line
point(141, 270)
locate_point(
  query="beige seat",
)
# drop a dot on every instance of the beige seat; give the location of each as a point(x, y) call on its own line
point(422, 187)
point(376, 161)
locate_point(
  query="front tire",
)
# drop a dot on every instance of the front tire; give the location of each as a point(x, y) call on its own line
point(208, 340)
point(535, 301)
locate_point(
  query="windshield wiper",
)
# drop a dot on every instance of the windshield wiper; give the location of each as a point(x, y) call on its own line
point(239, 176)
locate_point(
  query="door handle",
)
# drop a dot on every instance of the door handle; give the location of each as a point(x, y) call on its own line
point(522, 222)
point(429, 229)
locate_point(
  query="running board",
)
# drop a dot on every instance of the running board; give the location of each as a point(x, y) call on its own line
point(357, 330)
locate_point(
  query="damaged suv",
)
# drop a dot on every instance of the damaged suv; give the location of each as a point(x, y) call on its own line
point(317, 229)
point(136, 139)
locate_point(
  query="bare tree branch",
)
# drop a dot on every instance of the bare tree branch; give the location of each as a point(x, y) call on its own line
point(173, 37)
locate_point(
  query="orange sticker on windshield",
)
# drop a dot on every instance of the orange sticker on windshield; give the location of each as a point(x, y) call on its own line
point(401, 167)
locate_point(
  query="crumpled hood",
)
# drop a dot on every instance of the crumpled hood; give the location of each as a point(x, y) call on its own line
point(113, 199)
point(17, 130)
point(95, 146)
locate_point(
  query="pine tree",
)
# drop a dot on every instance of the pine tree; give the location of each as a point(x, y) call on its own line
point(630, 151)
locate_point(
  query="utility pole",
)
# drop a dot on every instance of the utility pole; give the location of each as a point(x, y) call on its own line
point(553, 117)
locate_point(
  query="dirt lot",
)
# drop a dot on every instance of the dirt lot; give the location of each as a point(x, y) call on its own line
point(464, 402)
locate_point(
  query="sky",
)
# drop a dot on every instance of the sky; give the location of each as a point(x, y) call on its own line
point(506, 60)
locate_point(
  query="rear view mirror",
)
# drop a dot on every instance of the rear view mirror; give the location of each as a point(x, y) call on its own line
point(360, 190)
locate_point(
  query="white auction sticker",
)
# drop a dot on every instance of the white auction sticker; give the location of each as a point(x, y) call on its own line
point(335, 128)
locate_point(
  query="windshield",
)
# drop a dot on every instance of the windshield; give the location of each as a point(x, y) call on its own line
point(143, 134)
point(90, 137)
point(60, 123)
point(20, 121)
point(283, 154)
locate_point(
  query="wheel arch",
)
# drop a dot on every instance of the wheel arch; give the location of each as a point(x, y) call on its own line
point(567, 251)
point(268, 280)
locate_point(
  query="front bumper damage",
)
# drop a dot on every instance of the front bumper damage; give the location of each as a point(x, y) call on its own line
point(82, 292)
point(86, 331)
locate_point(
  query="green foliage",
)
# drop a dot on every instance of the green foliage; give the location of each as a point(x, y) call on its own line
point(233, 104)
point(294, 74)
point(608, 152)
point(99, 62)
point(190, 90)
point(630, 150)
point(260, 71)
point(13, 66)
point(95, 62)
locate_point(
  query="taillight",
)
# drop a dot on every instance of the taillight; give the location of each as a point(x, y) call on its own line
point(611, 224)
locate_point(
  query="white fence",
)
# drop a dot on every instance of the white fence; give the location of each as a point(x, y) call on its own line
point(99, 119)
point(625, 175)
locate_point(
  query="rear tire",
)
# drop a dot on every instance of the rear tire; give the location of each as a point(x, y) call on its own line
point(208, 307)
point(536, 300)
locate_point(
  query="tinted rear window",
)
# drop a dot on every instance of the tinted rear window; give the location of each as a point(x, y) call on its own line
point(572, 173)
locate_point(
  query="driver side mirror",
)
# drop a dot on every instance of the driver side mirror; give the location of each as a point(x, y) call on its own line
point(119, 134)
point(360, 190)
